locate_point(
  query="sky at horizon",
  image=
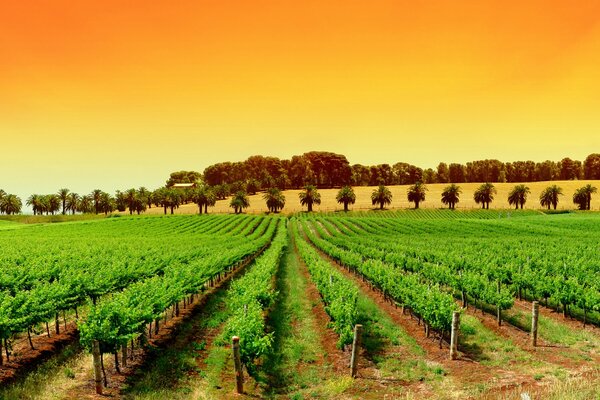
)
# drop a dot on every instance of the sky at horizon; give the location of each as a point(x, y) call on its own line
point(114, 94)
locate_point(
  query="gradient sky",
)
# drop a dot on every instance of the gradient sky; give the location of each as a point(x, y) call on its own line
point(114, 94)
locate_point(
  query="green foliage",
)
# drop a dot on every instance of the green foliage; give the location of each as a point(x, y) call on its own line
point(250, 296)
point(339, 296)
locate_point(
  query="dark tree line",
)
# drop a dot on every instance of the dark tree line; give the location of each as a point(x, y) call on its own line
point(326, 170)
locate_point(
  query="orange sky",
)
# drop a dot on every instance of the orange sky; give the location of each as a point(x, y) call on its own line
point(113, 94)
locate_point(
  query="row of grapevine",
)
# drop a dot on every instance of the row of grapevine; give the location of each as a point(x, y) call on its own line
point(338, 294)
point(249, 297)
point(474, 258)
point(52, 269)
point(426, 301)
point(466, 282)
point(125, 315)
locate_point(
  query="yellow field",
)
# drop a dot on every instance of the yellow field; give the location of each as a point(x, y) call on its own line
point(363, 198)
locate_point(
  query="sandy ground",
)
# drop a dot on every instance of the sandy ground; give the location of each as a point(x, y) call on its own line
point(399, 201)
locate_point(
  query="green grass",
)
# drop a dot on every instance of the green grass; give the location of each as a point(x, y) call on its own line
point(38, 383)
point(291, 368)
point(48, 219)
point(553, 331)
point(487, 347)
point(170, 372)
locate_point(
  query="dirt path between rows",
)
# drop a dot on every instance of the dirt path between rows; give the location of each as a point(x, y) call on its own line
point(339, 359)
point(464, 369)
point(23, 359)
point(82, 385)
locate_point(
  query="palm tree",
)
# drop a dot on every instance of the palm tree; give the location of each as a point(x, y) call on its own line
point(86, 204)
point(145, 196)
point(549, 196)
point(451, 195)
point(309, 196)
point(275, 199)
point(11, 204)
point(518, 196)
point(203, 196)
point(2, 197)
point(381, 196)
point(485, 195)
point(35, 202)
point(52, 203)
point(73, 203)
point(346, 196)
point(96, 194)
point(131, 198)
point(583, 196)
point(62, 194)
point(239, 202)
point(106, 203)
point(416, 193)
point(120, 201)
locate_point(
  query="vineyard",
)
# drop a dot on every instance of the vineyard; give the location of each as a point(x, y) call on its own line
point(427, 303)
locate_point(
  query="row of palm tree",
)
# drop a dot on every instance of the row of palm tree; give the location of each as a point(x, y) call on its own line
point(139, 200)
point(9, 203)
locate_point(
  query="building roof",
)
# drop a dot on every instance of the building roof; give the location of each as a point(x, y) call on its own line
point(184, 185)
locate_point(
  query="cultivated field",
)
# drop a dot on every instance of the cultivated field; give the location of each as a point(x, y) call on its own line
point(157, 300)
point(363, 198)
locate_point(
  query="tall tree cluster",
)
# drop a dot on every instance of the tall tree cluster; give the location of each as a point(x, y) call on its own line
point(326, 170)
point(9, 203)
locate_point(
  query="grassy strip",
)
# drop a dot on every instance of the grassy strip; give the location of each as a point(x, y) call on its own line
point(39, 383)
point(293, 367)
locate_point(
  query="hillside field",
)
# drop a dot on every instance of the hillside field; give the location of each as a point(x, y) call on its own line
point(363, 198)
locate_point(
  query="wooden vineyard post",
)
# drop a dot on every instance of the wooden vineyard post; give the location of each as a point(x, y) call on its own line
point(535, 311)
point(355, 349)
point(454, 335)
point(97, 370)
point(124, 354)
point(237, 361)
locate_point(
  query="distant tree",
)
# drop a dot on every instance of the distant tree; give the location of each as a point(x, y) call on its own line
point(484, 195)
point(145, 196)
point(131, 198)
point(2, 198)
point(451, 195)
point(583, 196)
point(549, 196)
point(416, 193)
point(35, 201)
point(275, 199)
point(239, 202)
point(569, 169)
point(204, 197)
point(173, 199)
point(120, 201)
point(106, 203)
point(52, 203)
point(11, 204)
point(346, 196)
point(86, 204)
point(96, 194)
point(221, 191)
point(591, 166)
point(443, 173)
point(62, 194)
point(382, 196)
point(72, 203)
point(252, 186)
point(457, 173)
point(518, 196)
point(183, 177)
point(309, 196)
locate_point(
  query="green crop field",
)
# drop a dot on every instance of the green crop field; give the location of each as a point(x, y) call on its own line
point(146, 307)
